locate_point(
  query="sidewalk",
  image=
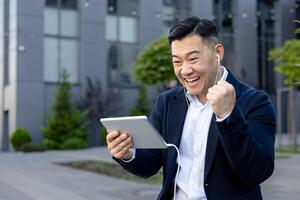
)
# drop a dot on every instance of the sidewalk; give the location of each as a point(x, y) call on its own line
point(35, 176)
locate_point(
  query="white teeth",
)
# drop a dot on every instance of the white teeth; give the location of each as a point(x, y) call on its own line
point(193, 79)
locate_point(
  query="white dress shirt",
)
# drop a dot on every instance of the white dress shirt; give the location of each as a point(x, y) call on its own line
point(193, 148)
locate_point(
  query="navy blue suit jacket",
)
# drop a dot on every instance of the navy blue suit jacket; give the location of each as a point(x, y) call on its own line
point(240, 149)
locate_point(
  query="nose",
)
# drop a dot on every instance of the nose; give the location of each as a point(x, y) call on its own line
point(186, 69)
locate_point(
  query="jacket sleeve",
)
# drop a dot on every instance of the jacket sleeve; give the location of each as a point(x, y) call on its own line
point(147, 162)
point(248, 137)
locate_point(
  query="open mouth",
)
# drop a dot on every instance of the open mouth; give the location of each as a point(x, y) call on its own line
point(192, 80)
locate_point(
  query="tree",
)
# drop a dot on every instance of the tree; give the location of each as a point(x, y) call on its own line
point(287, 60)
point(66, 127)
point(154, 64)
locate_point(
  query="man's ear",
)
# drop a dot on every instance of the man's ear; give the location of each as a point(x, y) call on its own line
point(219, 51)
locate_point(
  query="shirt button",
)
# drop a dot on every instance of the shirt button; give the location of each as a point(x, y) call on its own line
point(206, 184)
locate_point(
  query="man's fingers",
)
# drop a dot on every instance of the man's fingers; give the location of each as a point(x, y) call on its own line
point(111, 136)
point(125, 142)
point(123, 151)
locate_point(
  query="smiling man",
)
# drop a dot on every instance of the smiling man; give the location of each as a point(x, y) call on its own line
point(224, 128)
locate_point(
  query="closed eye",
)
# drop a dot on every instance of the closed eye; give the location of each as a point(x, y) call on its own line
point(176, 61)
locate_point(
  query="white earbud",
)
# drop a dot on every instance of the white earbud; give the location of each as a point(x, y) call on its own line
point(218, 59)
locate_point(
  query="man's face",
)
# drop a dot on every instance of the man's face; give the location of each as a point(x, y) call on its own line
point(195, 64)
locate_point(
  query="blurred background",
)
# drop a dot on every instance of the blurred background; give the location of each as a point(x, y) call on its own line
point(98, 41)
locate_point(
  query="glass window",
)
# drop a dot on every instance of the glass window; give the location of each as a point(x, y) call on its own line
point(61, 43)
point(51, 21)
point(174, 11)
point(112, 6)
point(112, 62)
point(69, 4)
point(51, 57)
point(111, 28)
point(69, 25)
point(128, 29)
point(51, 3)
point(128, 54)
point(121, 32)
point(69, 58)
point(127, 7)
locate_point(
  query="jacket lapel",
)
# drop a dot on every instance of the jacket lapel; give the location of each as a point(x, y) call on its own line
point(176, 118)
point(212, 140)
point(175, 122)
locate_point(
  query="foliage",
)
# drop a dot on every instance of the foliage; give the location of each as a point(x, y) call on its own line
point(154, 64)
point(298, 29)
point(142, 104)
point(287, 60)
point(66, 121)
point(74, 143)
point(99, 104)
point(103, 134)
point(29, 147)
point(19, 138)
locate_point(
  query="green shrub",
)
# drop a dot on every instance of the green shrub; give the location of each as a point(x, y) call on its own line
point(103, 134)
point(74, 143)
point(154, 64)
point(29, 147)
point(66, 122)
point(19, 138)
point(50, 144)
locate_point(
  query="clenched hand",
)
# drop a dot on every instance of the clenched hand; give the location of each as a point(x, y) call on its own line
point(222, 98)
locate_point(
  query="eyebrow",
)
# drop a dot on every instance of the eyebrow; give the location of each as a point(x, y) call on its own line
point(189, 53)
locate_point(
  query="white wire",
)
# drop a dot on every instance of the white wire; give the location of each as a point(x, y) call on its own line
point(178, 166)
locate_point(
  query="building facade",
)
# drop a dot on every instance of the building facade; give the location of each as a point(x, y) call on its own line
point(102, 38)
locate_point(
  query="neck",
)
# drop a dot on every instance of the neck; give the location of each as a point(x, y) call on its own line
point(202, 99)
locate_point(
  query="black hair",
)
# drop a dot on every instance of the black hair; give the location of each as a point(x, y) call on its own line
point(194, 26)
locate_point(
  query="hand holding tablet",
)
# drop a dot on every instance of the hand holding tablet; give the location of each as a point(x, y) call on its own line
point(143, 134)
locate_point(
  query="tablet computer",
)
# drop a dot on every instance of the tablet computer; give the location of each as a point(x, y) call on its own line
point(144, 135)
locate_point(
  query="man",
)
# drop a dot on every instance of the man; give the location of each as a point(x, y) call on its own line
point(224, 129)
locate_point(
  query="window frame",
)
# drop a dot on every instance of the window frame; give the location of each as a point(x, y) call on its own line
point(118, 43)
point(61, 37)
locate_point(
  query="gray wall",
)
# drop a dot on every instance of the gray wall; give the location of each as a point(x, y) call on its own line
point(93, 43)
point(246, 41)
point(1, 73)
point(29, 80)
point(202, 9)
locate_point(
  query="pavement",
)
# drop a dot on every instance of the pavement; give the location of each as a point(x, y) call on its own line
point(37, 176)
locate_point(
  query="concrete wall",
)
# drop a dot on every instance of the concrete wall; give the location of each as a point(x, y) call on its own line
point(29, 71)
point(2, 137)
point(202, 9)
point(246, 41)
